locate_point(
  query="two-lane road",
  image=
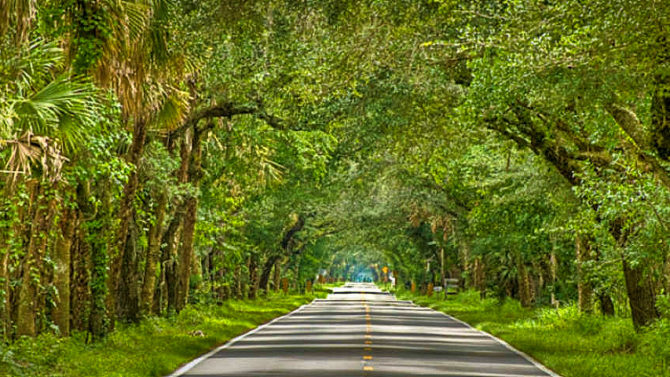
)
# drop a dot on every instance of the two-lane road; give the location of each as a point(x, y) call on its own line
point(360, 331)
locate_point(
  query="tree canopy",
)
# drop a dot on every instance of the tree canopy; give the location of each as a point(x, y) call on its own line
point(157, 153)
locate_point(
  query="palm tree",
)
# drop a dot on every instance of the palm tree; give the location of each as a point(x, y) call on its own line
point(43, 115)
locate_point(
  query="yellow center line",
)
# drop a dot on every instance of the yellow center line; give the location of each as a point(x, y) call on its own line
point(368, 330)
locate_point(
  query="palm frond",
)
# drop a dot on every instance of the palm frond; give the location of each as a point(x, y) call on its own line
point(172, 111)
point(31, 150)
point(23, 66)
point(61, 110)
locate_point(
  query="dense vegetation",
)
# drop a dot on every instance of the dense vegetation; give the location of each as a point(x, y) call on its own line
point(155, 346)
point(161, 153)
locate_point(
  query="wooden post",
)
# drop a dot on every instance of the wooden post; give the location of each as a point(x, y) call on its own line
point(443, 278)
point(429, 290)
point(413, 287)
point(284, 285)
point(308, 286)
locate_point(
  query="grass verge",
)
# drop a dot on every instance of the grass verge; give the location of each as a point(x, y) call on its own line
point(571, 343)
point(154, 347)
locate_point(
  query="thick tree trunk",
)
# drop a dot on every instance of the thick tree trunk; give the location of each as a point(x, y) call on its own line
point(28, 307)
point(153, 255)
point(61, 312)
point(168, 261)
point(98, 259)
point(639, 286)
point(190, 218)
point(584, 288)
point(93, 262)
point(128, 295)
point(125, 215)
point(641, 295)
point(80, 277)
point(266, 271)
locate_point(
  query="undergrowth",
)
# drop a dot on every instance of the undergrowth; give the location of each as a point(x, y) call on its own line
point(154, 347)
point(571, 343)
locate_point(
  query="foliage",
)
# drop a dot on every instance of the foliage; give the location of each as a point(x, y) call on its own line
point(154, 347)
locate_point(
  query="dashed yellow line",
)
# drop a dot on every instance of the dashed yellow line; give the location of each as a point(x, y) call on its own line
point(368, 335)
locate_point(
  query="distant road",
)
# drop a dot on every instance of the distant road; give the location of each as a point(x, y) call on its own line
point(360, 331)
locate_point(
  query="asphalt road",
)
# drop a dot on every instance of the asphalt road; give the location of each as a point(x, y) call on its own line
point(360, 331)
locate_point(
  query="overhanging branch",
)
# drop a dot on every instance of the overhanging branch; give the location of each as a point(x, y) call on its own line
point(229, 110)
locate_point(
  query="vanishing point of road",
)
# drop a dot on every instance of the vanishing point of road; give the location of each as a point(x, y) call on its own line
point(360, 331)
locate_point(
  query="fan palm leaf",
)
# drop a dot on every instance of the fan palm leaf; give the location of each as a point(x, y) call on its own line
point(42, 116)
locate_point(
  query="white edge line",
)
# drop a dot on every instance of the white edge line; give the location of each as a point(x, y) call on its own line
point(191, 364)
point(502, 342)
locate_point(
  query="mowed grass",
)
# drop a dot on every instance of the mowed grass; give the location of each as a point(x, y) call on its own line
point(154, 347)
point(568, 342)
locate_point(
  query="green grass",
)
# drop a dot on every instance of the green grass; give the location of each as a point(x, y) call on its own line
point(154, 347)
point(570, 343)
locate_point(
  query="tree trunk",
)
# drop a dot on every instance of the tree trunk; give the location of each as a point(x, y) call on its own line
point(277, 277)
point(253, 277)
point(641, 295)
point(153, 255)
point(168, 261)
point(606, 304)
point(80, 277)
point(266, 271)
point(94, 262)
point(5, 309)
point(479, 279)
point(61, 312)
point(584, 288)
point(190, 218)
point(28, 309)
point(98, 260)
point(639, 287)
point(4, 293)
point(128, 297)
point(238, 281)
point(125, 215)
point(524, 285)
point(660, 114)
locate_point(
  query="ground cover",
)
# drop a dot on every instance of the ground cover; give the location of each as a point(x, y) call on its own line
point(154, 347)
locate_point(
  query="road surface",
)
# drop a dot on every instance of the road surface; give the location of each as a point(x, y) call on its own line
point(360, 331)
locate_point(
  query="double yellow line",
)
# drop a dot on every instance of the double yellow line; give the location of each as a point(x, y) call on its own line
point(368, 336)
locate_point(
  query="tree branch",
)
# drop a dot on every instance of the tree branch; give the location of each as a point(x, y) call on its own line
point(229, 110)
